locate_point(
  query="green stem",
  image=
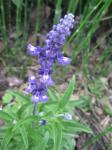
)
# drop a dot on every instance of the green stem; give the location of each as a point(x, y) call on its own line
point(35, 108)
point(3, 23)
point(34, 112)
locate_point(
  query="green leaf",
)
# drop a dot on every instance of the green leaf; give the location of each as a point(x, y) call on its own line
point(74, 126)
point(57, 11)
point(8, 136)
point(68, 142)
point(96, 137)
point(52, 96)
point(76, 103)
point(20, 146)
point(19, 96)
point(23, 109)
point(7, 98)
point(3, 131)
point(24, 136)
point(43, 142)
point(18, 3)
point(64, 100)
point(57, 136)
point(22, 122)
point(35, 135)
point(5, 116)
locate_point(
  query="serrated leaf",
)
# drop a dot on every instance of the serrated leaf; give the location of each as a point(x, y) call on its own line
point(65, 98)
point(18, 3)
point(5, 116)
point(74, 126)
point(57, 136)
point(24, 136)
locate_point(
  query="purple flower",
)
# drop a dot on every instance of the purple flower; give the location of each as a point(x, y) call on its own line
point(32, 86)
point(46, 79)
point(39, 98)
point(68, 116)
point(38, 90)
point(57, 36)
point(43, 122)
point(64, 60)
point(47, 56)
point(32, 50)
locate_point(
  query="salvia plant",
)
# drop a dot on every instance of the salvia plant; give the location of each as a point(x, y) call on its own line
point(52, 126)
point(47, 56)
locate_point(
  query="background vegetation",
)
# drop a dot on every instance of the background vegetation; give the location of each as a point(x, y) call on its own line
point(89, 46)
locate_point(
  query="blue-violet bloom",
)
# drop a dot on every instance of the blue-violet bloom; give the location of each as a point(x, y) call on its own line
point(43, 122)
point(47, 56)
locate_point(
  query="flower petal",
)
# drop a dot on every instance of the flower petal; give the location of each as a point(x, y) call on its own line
point(47, 80)
point(43, 98)
point(32, 79)
point(35, 99)
point(68, 116)
point(32, 50)
point(64, 60)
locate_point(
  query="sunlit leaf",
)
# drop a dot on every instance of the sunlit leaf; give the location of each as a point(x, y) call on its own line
point(7, 98)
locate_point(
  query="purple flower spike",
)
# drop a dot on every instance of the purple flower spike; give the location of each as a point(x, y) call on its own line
point(48, 56)
point(32, 86)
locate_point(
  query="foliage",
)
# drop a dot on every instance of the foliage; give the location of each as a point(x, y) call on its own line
point(24, 131)
point(87, 41)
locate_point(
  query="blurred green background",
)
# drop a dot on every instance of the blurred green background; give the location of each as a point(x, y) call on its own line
point(27, 21)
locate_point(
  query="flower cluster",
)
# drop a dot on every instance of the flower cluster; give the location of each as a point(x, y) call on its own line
point(48, 55)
